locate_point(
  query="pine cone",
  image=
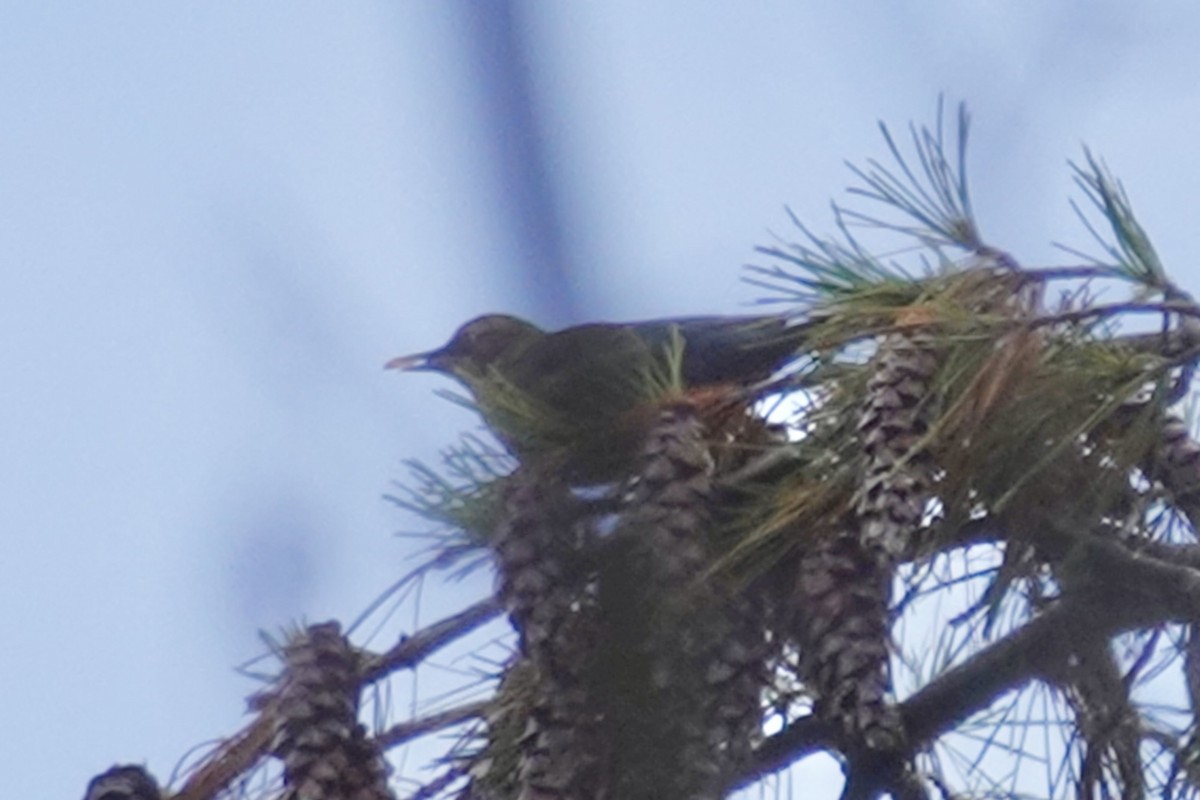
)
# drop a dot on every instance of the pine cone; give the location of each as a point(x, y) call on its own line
point(1177, 462)
point(895, 417)
point(683, 670)
point(843, 590)
point(123, 782)
point(842, 601)
point(495, 768)
point(325, 751)
point(547, 583)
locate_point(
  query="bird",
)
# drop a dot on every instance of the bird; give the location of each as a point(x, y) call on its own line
point(576, 393)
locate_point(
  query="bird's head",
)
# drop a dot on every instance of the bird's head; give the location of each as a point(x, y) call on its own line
point(482, 343)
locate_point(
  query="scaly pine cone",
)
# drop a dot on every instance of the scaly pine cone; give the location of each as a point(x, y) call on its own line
point(844, 586)
point(495, 768)
point(325, 751)
point(548, 589)
point(682, 679)
point(894, 419)
point(842, 601)
point(1177, 464)
point(123, 782)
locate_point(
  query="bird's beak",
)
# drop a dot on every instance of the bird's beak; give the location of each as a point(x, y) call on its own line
point(416, 362)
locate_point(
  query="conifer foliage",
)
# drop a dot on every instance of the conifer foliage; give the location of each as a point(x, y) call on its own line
point(936, 502)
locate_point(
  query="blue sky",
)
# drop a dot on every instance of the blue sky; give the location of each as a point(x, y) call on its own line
point(218, 220)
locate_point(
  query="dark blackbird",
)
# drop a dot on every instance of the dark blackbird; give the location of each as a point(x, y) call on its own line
point(580, 388)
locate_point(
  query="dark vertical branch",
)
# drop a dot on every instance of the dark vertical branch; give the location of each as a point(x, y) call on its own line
point(496, 43)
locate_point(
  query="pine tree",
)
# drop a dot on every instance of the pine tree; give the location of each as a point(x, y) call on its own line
point(933, 505)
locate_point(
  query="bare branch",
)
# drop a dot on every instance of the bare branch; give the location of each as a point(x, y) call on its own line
point(406, 731)
point(411, 650)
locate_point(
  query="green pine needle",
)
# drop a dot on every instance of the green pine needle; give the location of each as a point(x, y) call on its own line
point(928, 190)
point(664, 375)
point(825, 269)
point(1128, 251)
point(933, 194)
point(460, 494)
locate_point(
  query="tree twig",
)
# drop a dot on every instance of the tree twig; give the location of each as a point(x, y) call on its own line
point(241, 752)
point(405, 731)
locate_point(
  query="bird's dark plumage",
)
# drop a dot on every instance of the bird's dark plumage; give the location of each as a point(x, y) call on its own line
point(577, 387)
point(716, 349)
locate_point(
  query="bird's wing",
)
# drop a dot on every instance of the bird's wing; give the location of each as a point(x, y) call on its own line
point(732, 349)
point(596, 365)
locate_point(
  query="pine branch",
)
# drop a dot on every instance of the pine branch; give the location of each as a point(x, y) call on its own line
point(1038, 432)
point(412, 650)
point(403, 732)
point(1131, 254)
point(238, 754)
point(1134, 591)
point(933, 194)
